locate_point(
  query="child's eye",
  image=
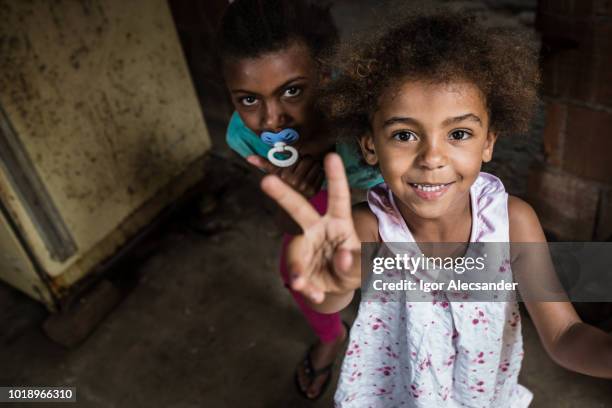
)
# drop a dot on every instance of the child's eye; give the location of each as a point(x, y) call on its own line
point(248, 100)
point(292, 92)
point(460, 135)
point(404, 136)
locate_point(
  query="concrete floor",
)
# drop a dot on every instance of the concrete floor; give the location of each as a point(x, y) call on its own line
point(209, 323)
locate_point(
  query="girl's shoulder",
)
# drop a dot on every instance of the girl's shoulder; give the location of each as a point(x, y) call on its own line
point(523, 222)
point(366, 223)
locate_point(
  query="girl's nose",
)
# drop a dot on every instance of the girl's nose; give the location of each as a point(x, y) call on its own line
point(274, 118)
point(432, 155)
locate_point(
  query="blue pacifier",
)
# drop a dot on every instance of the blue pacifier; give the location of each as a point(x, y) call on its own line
point(280, 144)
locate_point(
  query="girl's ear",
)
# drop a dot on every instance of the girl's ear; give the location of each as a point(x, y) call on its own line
point(367, 149)
point(487, 150)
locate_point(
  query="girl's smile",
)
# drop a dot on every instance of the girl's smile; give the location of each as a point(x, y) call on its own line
point(429, 141)
point(429, 191)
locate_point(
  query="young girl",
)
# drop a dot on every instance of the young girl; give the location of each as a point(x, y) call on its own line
point(271, 52)
point(432, 94)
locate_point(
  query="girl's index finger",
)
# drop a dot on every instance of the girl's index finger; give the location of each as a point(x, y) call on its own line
point(291, 201)
point(339, 203)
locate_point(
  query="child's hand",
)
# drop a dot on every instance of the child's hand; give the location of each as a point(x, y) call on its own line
point(306, 176)
point(325, 259)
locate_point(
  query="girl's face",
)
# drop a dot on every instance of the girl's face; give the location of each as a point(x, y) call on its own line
point(430, 141)
point(274, 91)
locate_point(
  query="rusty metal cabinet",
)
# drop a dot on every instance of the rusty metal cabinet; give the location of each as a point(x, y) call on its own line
point(100, 129)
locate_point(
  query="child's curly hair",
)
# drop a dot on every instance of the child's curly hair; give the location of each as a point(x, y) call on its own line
point(439, 46)
point(250, 28)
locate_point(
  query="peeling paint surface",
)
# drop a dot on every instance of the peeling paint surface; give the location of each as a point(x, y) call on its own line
point(101, 98)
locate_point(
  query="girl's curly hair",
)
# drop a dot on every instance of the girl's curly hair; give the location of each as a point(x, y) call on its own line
point(438, 47)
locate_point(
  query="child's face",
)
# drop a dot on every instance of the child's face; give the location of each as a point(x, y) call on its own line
point(274, 91)
point(430, 141)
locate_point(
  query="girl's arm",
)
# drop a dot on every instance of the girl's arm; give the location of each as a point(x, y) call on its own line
point(325, 261)
point(569, 342)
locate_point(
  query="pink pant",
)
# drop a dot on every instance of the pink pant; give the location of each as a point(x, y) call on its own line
point(326, 326)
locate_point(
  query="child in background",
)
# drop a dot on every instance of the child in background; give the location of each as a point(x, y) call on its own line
point(432, 94)
point(272, 53)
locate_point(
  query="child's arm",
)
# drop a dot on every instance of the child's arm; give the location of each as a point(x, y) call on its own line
point(305, 176)
point(325, 262)
point(570, 342)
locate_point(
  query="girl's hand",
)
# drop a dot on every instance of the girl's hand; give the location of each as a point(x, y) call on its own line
point(306, 176)
point(325, 259)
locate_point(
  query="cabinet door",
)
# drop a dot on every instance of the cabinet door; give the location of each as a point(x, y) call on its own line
point(16, 267)
point(100, 116)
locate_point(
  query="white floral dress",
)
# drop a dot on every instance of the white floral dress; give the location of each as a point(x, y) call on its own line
point(436, 353)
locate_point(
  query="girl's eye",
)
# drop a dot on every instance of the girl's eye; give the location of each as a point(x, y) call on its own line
point(404, 136)
point(292, 92)
point(459, 135)
point(248, 100)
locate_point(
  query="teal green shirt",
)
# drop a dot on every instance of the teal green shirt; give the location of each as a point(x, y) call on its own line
point(245, 142)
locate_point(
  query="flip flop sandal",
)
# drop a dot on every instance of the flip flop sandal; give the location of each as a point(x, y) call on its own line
point(312, 373)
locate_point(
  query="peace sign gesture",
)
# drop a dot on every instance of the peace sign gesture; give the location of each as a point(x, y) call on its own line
point(325, 259)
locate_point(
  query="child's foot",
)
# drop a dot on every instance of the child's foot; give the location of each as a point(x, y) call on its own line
point(322, 355)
